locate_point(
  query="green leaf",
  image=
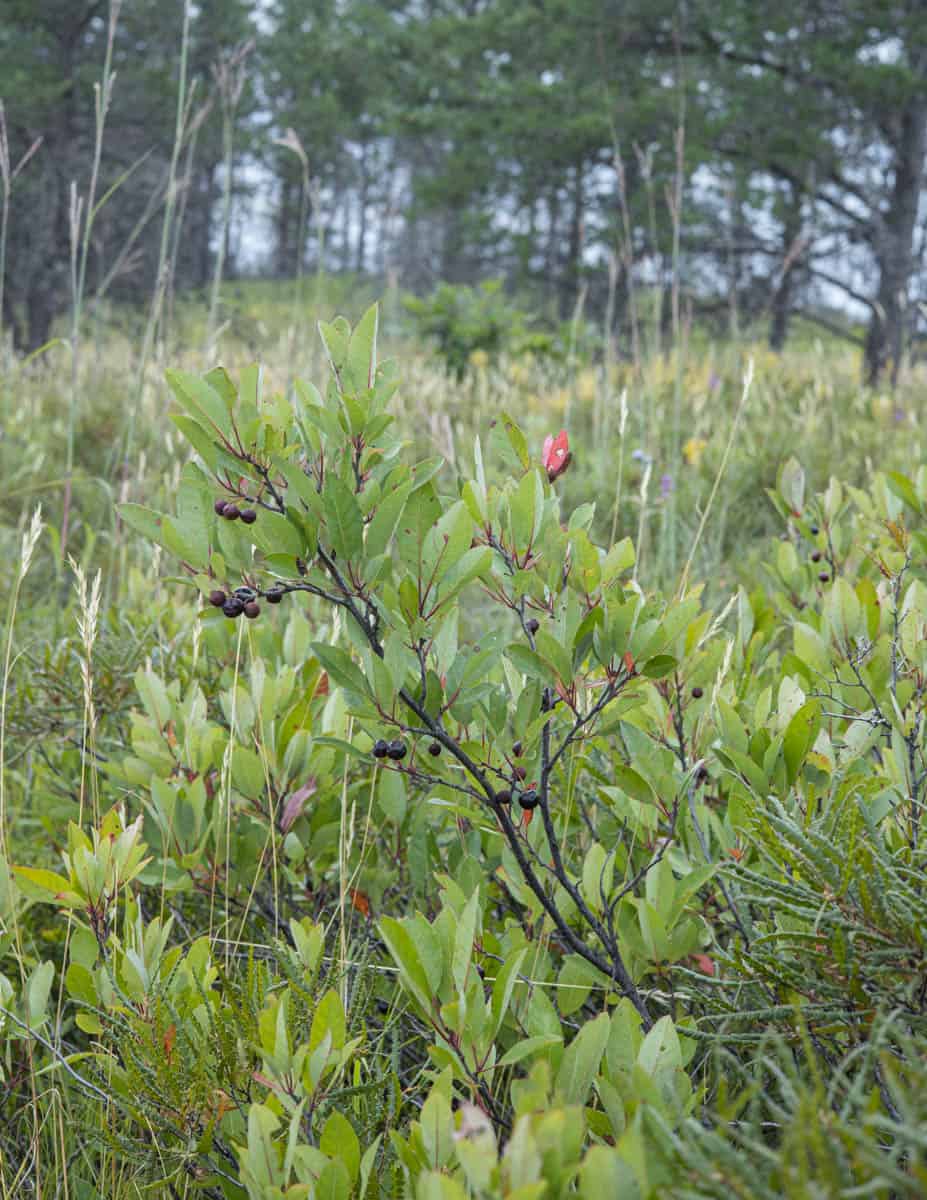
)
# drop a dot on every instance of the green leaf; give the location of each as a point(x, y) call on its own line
point(528, 1046)
point(618, 560)
point(516, 440)
point(336, 338)
point(800, 736)
point(361, 366)
point(791, 484)
point(201, 401)
point(580, 1063)
point(903, 489)
point(334, 1183)
point(341, 668)
point(328, 1019)
point(404, 954)
point(530, 663)
point(463, 941)
point(339, 1141)
point(386, 517)
point(248, 773)
point(37, 989)
point(145, 521)
point(79, 982)
point(632, 783)
point(343, 518)
point(661, 1050)
point(48, 881)
point(504, 985)
point(659, 667)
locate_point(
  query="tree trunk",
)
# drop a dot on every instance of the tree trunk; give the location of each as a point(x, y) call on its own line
point(569, 283)
point(362, 201)
point(284, 213)
point(552, 249)
point(895, 241)
point(785, 281)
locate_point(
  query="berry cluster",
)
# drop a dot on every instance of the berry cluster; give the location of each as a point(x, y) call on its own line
point(816, 555)
point(243, 601)
point(231, 512)
point(396, 750)
point(528, 799)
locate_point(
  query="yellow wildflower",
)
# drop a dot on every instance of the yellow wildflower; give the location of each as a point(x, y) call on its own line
point(587, 385)
point(693, 449)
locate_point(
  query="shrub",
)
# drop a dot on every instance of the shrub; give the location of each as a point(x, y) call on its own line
point(466, 322)
point(648, 875)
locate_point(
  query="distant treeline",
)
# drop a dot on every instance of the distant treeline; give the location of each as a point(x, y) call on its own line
point(655, 157)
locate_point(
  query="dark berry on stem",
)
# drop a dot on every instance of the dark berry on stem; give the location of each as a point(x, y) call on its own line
point(233, 608)
point(817, 556)
point(380, 748)
point(219, 506)
point(397, 750)
point(252, 610)
point(504, 797)
point(533, 625)
point(434, 749)
point(274, 596)
point(814, 531)
point(520, 772)
point(217, 598)
point(697, 693)
point(248, 515)
point(529, 799)
point(231, 513)
point(824, 577)
point(517, 750)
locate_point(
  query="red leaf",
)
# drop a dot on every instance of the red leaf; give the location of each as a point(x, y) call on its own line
point(704, 964)
point(556, 455)
point(361, 902)
point(295, 804)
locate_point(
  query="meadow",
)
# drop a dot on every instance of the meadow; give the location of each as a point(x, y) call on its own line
point(545, 832)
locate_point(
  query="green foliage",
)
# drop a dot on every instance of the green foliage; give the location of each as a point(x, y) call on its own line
point(470, 325)
point(468, 865)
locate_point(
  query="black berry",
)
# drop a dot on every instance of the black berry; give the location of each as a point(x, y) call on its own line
point(274, 596)
point(824, 577)
point(517, 750)
point(520, 772)
point(397, 750)
point(697, 693)
point(252, 610)
point(233, 608)
point(529, 799)
point(380, 748)
point(701, 775)
point(816, 556)
point(504, 797)
point(230, 512)
point(434, 749)
point(248, 515)
point(219, 506)
point(217, 598)
point(533, 625)
point(814, 531)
